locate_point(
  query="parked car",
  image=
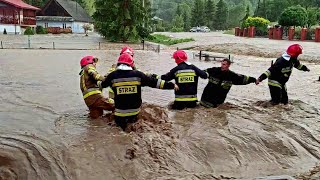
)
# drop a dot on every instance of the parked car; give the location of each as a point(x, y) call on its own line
point(200, 29)
point(204, 29)
point(194, 29)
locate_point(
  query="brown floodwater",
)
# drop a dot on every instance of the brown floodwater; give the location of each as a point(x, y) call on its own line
point(45, 132)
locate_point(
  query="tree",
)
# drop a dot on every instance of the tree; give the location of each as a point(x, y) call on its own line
point(120, 19)
point(186, 15)
point(294, 16)
point(236, 14)
point(177, 24)
point(312, 17)
point(197, 14)
point(210, 10)
point(275, 8)
point(222, 16)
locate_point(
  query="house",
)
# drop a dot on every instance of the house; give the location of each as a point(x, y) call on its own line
point(63, 14)
point(15, 15)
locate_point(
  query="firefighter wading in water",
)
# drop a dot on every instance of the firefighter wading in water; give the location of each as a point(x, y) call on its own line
point(186, 77)
point(126, 84)
point(279, 73)
point(92, 95)
point(220, 81)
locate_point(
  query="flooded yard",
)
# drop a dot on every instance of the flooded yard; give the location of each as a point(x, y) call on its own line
point(45, 132)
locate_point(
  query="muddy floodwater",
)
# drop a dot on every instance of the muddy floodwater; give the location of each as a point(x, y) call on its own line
point(45, 132)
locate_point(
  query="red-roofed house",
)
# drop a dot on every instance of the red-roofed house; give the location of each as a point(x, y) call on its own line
point(16, 15)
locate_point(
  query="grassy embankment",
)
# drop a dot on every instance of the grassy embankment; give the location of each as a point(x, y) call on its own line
point(166, 40)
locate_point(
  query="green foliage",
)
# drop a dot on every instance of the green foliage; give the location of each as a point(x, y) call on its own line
point(312, 16)
point(162, 39)
point(29, 31)
point(210, 11)
point(294, 16)
point(177, 24)
point(41, 30)
point(258, 22)
point(197, 13)
point(221, 19)
point(186, 16)
point(119, 20)
point(236, 15)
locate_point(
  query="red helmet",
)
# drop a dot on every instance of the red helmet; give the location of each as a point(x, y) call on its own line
point(127, 49)
point(126, 59)
point(88, 60)
point(294, 50)
point(180, 56)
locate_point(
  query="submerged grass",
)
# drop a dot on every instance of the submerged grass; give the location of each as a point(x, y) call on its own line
point(166, 40)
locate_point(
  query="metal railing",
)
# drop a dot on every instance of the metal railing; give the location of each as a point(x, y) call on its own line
point(71, 45)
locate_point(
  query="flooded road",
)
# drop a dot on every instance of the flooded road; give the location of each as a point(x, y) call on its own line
point(45, 132)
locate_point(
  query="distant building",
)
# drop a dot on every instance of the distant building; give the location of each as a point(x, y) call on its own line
point(15, 15)
point(63, 14)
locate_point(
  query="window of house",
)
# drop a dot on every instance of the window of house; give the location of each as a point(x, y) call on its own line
point(46, 25)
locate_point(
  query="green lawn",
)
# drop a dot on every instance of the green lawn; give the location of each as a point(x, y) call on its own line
point(166, 40)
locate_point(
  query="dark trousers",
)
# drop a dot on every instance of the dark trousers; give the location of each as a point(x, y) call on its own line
point(278, 95)
point(179, 105)
point(124, 121)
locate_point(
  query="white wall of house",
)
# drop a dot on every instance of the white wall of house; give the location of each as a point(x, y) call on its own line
point(11, 28)
point(53, 24)
point(75, 26)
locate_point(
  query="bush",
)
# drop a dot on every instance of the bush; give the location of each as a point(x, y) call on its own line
point(297, 33)
point(41, 30)
point(176, 29)
point(260, 23)
point(311, 33)
point(294, 16)
point(29, 31)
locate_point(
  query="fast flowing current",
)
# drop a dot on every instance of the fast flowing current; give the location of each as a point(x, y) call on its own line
point(45, 132)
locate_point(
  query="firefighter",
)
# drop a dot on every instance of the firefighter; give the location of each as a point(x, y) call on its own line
point(126, 84)
point(279, 73)
point(220, 81)
point(128, 50)
point(92, 95)
point(186, 77)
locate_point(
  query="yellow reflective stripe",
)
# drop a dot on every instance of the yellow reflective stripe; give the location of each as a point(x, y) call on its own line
point(186, 99)
point(206, 104)
point(112, 69)
point(274, 84)
point(185, 74)
point(285, 71)
point(91, 70)
point(126, 83)
point(267, 73)
point(91, 93)
point(83, 83)
point(126, 114)
point(246, 79)
point(97, 76)
point(161, 84)
point(300, 66)
point(110, 90)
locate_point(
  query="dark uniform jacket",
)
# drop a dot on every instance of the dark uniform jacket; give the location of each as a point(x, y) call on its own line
point(219, 85)
point(280, 71)
point(88, 84)
point(186, 77)
point(126, 85)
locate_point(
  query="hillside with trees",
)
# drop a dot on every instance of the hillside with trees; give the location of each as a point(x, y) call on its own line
point(139, 17)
